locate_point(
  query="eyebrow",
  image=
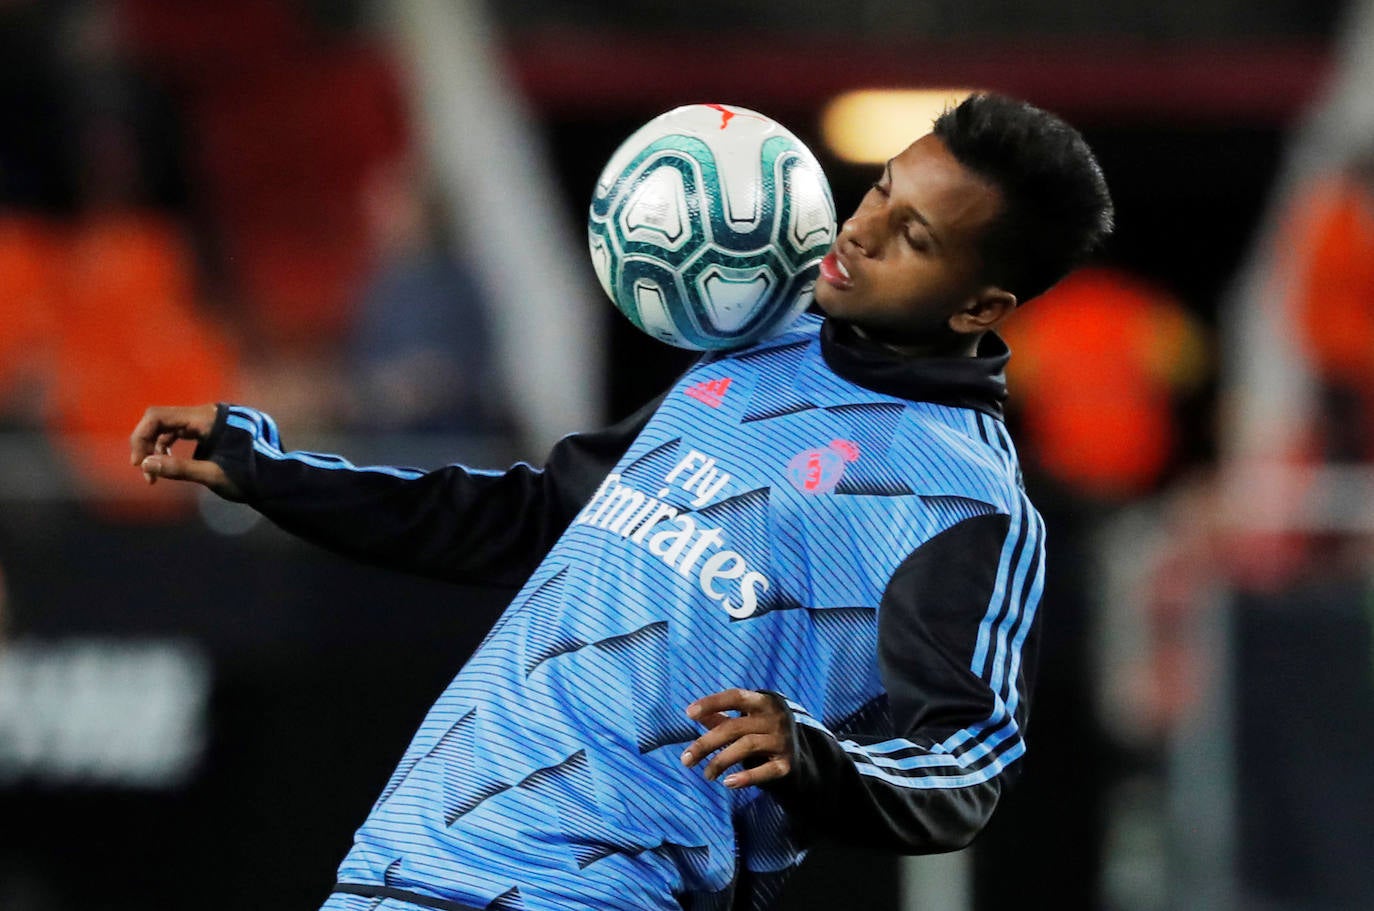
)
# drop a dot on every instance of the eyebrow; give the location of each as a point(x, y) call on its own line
point(915, 212)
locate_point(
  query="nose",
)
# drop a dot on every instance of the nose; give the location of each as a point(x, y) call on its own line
point(857, 233)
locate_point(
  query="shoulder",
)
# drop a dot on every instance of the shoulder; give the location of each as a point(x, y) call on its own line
point(958, 452)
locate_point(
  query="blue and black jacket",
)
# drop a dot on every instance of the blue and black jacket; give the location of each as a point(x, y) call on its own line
point(813, 516)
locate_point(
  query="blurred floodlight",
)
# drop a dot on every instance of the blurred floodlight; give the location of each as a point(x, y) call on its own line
point(869, 126)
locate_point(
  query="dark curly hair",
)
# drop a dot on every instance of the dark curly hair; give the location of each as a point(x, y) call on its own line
point(1056, 206)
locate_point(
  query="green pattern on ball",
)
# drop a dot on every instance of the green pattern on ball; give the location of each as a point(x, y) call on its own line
point(675, 267)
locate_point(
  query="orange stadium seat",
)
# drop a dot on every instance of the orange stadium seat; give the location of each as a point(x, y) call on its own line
point(130, 336)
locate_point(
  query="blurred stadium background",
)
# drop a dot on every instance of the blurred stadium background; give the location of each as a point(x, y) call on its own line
point(367, 217)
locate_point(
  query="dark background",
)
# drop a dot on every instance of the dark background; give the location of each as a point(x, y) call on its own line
point(322, 669)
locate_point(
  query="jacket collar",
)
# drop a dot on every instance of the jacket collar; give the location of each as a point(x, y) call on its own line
point(978, 382)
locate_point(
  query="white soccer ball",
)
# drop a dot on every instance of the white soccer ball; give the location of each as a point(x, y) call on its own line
point(707, 226)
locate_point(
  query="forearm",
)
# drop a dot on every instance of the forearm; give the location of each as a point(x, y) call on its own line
point(952, 624)
point(895, 797)
point(452, 523)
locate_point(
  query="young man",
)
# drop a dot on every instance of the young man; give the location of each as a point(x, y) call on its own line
point(818, 584)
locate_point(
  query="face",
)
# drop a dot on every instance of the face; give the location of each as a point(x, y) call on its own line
point(906, 264)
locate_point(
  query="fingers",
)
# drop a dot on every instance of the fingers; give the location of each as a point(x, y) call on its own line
point(160, 427)
point(747, 747)
point(713, 720)
point(720, 736)
point(150, 447)
point(731, 700)
point(195, 470)
point(771, 770)
point(758, 735)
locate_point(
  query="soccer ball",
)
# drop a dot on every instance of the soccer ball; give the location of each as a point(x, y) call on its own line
point(707, 226)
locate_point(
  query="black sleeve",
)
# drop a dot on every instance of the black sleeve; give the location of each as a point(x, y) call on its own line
point(933, 786)
point(452, 523)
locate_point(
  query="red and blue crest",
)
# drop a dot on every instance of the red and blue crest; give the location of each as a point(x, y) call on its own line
point(817, 471)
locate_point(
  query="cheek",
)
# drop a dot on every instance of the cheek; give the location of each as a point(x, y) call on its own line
point(937, 283)
point(926, 300)
point(919, 282)
point(924, 318)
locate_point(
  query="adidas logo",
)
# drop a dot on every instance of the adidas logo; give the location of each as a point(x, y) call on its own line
point(709, 392)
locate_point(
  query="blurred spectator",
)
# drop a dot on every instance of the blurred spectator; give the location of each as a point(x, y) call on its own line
point(1099, 367)
point(420, 346)
point(1327, 232)
point(1305, 617)
point(1333, 306)
point(1099, 364)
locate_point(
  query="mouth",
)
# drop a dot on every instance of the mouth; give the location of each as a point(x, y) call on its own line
point(834, 272)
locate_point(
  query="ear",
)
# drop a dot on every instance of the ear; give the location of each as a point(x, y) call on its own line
point(984, 311)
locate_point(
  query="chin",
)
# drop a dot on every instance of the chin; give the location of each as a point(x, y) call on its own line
point(827, 306)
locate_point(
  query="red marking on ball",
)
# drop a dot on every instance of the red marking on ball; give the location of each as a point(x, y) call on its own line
point(725, 114)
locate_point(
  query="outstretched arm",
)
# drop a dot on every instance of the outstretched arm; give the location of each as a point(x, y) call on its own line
point(453, 523)
point(953, 626)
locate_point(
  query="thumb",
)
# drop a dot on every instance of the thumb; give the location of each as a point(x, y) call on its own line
point(198, 471)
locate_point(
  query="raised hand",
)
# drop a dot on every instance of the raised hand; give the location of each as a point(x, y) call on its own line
point(150, 447)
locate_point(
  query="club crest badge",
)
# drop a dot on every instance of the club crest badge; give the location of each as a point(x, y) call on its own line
point(817, 471)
